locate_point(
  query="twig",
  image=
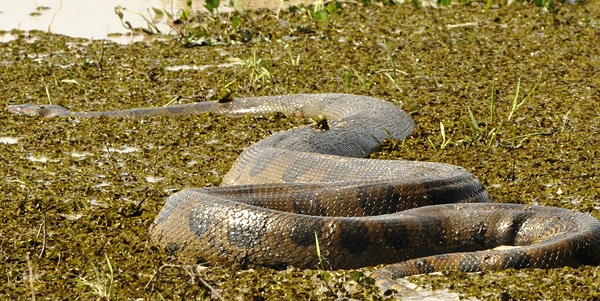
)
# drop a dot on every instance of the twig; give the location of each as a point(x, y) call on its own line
point(189, 270)
point(101, 55)
point(30, 277)
point(43, 229)
point(391, 70)
point(212, 290)
point(467, 24)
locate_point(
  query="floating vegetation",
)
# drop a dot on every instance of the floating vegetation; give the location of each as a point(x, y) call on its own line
point(65, 216)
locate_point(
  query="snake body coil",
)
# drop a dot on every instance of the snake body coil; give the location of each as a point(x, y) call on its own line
point(293, 186)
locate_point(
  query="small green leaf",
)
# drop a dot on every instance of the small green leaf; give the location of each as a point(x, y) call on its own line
point(549, 5)
point(158, 12)
point(185, 15)
point(119, 12)
point(361, 278)
point(211, 5)
point(235, 21)
point(322, 15)
point(332, 6)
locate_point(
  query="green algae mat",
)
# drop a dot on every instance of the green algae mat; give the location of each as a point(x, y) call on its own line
point(509, 92)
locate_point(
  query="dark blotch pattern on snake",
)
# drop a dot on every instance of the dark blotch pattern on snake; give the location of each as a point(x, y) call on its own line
point(416, 217)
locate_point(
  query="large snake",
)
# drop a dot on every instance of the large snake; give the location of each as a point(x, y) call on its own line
point(312, 186)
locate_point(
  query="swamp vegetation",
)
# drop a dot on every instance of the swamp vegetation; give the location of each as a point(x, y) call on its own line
point(509, 92)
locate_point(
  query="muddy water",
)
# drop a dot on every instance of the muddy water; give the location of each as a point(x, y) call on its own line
point(94, 19)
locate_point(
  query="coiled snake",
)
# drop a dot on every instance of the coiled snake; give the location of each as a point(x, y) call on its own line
point(296, 185)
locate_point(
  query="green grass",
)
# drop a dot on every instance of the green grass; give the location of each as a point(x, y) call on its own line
point(100, 284)
point(321, 266)
point(488, 131)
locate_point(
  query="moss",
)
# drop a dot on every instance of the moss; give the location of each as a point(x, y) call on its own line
point(84, 202)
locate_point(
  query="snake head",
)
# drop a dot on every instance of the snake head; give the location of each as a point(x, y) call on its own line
point(29, 109)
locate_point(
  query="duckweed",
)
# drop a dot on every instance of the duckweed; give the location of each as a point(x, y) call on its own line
point(79, 193)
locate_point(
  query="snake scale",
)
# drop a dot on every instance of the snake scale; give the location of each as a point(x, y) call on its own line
point(287, 189)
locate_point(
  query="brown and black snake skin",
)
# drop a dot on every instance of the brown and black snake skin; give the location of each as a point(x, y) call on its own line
point(416, 217)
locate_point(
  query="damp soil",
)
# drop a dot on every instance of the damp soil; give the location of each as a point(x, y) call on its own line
point(78, 195)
